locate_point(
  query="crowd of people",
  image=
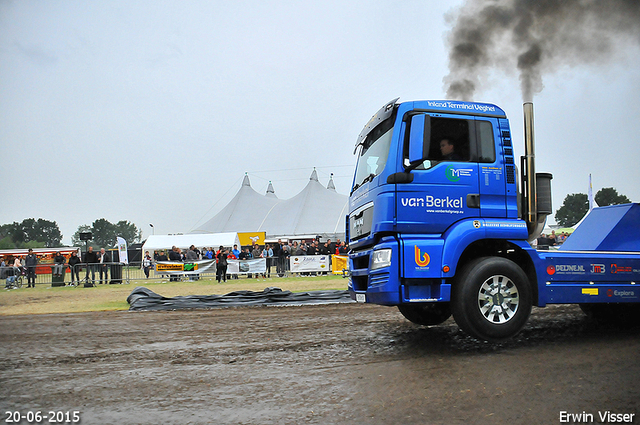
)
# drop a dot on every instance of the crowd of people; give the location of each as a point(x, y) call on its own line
point(27, 264)
point(544, 241)
point(276, 254)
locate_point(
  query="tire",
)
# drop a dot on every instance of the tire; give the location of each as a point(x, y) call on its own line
point(427, 314)
point(624, 315)
point(491, 299)
point(19, 281)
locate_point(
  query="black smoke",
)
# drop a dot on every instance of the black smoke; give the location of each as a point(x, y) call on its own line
point(533, 37)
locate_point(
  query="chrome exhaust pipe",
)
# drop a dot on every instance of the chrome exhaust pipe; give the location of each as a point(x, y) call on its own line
point(530, 159)
point(536, 212)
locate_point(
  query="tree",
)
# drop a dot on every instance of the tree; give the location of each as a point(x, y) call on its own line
point(609, 196)
point(575, 206)
point(104, 233)
point(32, 233)
point(128, 231)
point(75, 239)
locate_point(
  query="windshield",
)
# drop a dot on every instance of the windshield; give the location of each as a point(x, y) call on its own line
point(373, 154)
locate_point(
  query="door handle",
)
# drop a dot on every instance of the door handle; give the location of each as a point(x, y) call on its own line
point(473, 200)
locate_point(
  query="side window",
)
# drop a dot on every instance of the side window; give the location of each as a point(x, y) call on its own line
point(486, 146)
point(449, 139)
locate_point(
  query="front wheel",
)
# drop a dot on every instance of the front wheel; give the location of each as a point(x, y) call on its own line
point(491, 299)
point(427, 314)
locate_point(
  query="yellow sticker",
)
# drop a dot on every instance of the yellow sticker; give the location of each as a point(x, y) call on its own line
point(590, 291)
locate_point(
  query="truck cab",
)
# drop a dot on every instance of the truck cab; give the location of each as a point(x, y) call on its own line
point(439, 225)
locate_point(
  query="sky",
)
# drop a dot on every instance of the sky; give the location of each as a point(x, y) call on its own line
point(153, 111)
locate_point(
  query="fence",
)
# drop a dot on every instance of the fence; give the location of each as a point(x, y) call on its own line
point(116, 273)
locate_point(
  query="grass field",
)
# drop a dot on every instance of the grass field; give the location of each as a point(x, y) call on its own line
point(44, 299)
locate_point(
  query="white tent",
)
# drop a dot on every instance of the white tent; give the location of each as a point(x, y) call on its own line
point(242, 212)
point(200, 240)
point(316, 210)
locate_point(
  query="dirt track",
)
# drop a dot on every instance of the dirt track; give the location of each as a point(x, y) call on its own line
point(341, 363)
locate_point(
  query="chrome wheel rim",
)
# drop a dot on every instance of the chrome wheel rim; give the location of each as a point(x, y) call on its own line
point(498, 299)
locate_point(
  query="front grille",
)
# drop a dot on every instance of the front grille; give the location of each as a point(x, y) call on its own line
point(359, 283)
point(379, 278)
point(361, 262)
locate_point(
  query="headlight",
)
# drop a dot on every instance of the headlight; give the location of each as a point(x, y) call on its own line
point(381, 258)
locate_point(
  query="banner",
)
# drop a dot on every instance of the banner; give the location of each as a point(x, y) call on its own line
point(191, 267)
point(252, 238)
point(122, 250)
point(256, 265)
point(309, 263)
point(339, 263)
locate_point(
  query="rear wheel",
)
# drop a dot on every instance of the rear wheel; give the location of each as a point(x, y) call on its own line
point(491, 298)
point(426, 314)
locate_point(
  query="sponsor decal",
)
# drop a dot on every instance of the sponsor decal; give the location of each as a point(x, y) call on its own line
point(620, 293)
point(476, 224)
point(568, 269)
point(551, 270)
point(620, 269)
point(190, 267)
point(454, 174)
point(422, 259)
point(169, 267)
point(462, 106)
point(506, 225)
point(597, 268)
point(590, 291)
point(435, 204)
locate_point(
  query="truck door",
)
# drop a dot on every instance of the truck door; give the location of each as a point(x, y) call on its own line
point(445, 186)
point(491, 169)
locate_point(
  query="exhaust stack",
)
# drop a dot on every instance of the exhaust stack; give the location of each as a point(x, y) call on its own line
point(530, 159)
point(537, 187)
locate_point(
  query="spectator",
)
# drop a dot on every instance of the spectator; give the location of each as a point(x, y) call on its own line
point(174, 255)
point(235, 251)
point(209, 254)
point(268, 254)
point(221, 270)
point(146, 264)
point(103, 260)
point(17, 266)
point(74, 260)
point(162, 256)
point(257, 253)
point(283, 254)
point(232, 256)
point(58, 264)
point(245, 254)
point(192, 255)
point(30, 262)
point(91, 259)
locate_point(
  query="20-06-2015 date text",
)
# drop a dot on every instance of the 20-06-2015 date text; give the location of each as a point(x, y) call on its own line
point(37, 417)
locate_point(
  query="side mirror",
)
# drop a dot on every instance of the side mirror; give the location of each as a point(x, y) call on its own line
point(419, 138)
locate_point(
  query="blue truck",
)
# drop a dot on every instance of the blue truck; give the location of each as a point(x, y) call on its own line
point(442, 216)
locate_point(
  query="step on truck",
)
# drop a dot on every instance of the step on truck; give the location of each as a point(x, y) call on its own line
point(441, 216)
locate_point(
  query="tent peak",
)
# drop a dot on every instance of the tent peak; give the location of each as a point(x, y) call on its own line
point(331, 185)
point(246, 181)
point(270, 192)
point(314, 175)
